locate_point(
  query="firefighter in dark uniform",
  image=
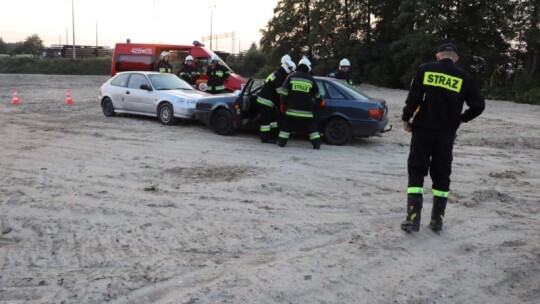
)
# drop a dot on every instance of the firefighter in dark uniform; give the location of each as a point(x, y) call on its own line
point(189, 72)
point(163, 65)
point(343, 73)
point(268, 100)
point(216, 75)
point(435, 103)
point(296, 102)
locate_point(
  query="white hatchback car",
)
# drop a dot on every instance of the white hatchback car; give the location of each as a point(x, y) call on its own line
point(160, 95)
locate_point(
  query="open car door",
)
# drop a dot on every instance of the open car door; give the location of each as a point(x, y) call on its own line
point(243, 103)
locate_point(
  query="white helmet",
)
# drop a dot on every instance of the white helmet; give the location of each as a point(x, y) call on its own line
point(289, 66)
point(305, 62)
point(285, 58)
point(163, 54)
point(189, 57)
point(344, 62)
point(214, 57)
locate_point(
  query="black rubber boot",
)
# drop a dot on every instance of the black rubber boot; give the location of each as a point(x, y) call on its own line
point(437, 213)
point(414, 211)
point(282, 142)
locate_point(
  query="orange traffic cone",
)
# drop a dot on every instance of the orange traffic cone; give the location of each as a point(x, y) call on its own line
point(68, 98)
point(15, 97)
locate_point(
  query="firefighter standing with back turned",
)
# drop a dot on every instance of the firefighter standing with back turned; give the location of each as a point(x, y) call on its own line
point(268, 100)
point(437, 94)
point(296, 102)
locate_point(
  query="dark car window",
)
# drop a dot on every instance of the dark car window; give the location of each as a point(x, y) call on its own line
point(120, 80)
point(355, 94)
point(165, 81)
point(322, 88)
point(334, 92)
point(136, 80)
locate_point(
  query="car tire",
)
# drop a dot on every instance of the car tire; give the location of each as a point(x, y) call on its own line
point(337, 131)
point(222, 122)
point(166, 114)
point(108, 108)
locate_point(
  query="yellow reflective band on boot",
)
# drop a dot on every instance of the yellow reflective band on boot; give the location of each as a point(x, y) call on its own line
point(415, 190)
point(265, 128)
point(439, 193)
point(314, 135)
point(273, 125)
point(443, 81)
point(413, 216)
point(284, 135)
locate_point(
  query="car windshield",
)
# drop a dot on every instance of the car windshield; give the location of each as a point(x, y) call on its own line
point(355, 94)
point(168, 82)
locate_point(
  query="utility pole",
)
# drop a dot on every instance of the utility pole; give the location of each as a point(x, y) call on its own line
point(73, 23)
point(211, 23)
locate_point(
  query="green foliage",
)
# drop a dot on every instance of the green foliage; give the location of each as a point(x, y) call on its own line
point(28, 65)
point(32, 45)
point(386, 41)
point(3, 47)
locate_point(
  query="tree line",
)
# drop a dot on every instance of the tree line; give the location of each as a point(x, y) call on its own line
point(386, 41)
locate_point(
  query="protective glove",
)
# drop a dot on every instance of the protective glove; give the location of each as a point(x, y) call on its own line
point(282, 108)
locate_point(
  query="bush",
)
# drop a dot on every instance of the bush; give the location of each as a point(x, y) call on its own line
point(57, 66)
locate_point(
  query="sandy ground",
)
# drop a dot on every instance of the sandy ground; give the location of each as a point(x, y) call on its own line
point(126, 210)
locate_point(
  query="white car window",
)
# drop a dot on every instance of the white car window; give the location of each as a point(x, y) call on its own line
point(136, 80)
point(120, 80)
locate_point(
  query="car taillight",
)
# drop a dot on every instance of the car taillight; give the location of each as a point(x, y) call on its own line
point(376, 113)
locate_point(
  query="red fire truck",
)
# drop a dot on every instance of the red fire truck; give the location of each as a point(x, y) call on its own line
point(142, 57)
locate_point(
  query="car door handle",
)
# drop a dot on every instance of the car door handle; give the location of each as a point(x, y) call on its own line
point(127, 92)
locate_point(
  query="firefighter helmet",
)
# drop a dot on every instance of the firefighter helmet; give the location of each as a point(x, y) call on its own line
point(289, 66)
point(305, 62)
point(214, 57)
point(188, 58)
point(285, 58)
point(344, 63)
point(163, 54)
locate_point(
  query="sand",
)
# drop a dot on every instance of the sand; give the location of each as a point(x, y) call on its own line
point(126, 210)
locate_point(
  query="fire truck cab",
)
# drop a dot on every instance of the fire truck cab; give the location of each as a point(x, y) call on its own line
point(143, 57)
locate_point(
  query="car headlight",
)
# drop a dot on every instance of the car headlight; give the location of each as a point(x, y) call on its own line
point(186, 102)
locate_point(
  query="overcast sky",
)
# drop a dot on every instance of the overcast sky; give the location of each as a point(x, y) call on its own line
point(148, 21)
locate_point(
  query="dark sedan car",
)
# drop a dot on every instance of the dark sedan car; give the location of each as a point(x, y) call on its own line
point(348, 112)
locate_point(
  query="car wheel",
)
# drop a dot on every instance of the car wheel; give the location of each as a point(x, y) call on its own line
point(337, 131)
point(166, 114)
point(222, 122)
point(108, 108)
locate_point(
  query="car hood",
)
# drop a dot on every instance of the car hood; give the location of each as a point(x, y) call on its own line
point(213, 99)
point(192, 94)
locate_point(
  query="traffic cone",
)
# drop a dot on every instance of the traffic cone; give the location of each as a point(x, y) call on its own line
point(15, 97)
point(68, 98)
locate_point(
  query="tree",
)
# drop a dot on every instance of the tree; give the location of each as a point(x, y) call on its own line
point(289, 31)
point(252, 61)
point(32, 45)
point(3, 46)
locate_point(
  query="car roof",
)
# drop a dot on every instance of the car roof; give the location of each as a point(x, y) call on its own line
point(140, 72)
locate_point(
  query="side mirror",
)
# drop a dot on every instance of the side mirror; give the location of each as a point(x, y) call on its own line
point(146, 87)
point(237, 92)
